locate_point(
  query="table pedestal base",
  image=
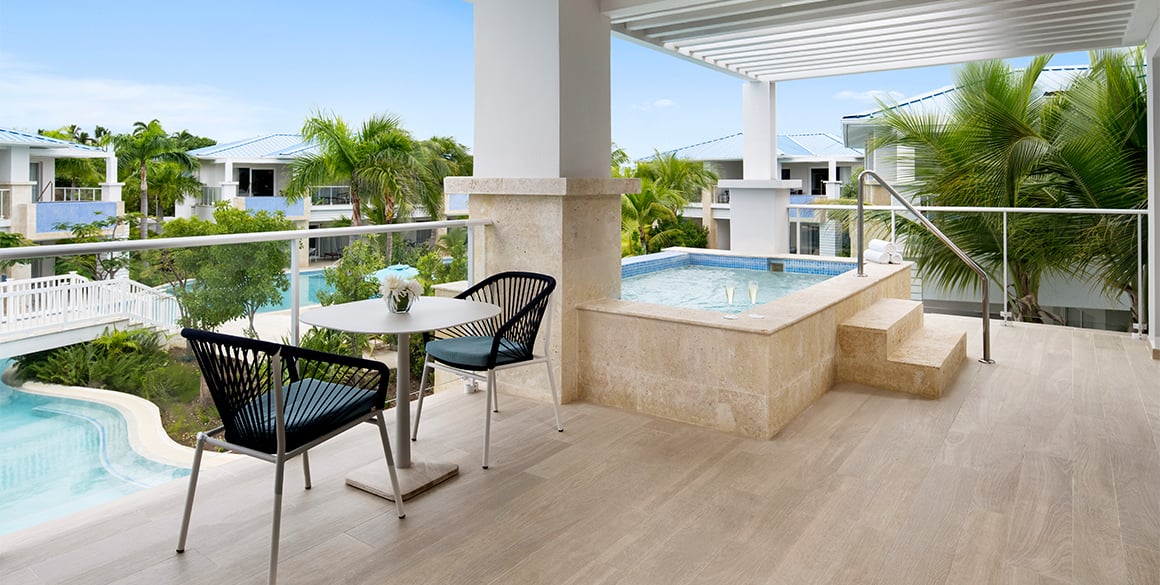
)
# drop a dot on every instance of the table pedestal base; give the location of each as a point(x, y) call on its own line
point(413, 480)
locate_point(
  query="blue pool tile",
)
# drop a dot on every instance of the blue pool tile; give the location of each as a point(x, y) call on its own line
point(638, 265)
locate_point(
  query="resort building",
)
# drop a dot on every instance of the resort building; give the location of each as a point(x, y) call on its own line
point(819, 161)
point(252, 174)
point(33, 205)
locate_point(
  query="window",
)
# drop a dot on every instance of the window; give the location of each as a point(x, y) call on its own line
point(255, 182)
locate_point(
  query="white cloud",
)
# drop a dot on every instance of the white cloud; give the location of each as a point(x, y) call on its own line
point(661, 104)
point(871, 96)
point(31, 98)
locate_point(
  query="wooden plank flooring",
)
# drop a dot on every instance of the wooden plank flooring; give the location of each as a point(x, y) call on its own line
point(1043, 469)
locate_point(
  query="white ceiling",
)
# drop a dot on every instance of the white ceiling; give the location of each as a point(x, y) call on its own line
point(793, 39)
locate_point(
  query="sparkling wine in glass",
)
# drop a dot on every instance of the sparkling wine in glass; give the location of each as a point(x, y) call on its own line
point(753, 292)
point(729, 293)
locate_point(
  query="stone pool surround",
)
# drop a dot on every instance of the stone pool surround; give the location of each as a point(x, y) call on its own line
point(747, 376)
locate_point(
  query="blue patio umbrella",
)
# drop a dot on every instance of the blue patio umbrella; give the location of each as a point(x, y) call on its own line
point(403, 271)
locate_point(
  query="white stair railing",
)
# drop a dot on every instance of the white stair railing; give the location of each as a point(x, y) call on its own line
point(71, 300)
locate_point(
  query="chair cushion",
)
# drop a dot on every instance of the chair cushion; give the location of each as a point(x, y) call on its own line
point(472, 353)
point(313, 408)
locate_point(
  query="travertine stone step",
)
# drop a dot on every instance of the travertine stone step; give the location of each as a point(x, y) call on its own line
point(926, 364)
point(877, 331)
point(888, 346)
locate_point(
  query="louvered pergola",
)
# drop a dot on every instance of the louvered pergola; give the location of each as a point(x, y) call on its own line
point(775, 40)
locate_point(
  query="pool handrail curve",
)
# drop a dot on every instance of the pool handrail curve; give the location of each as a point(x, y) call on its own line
point(986, 359)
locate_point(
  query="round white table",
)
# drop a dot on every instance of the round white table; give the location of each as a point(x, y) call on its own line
point(372, 316)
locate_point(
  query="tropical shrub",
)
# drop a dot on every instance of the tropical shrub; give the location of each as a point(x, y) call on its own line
point(117, 360)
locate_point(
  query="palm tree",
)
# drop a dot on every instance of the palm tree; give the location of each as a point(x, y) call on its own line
point(1101, 148)
point(640, 214)
point(682, 180)
point(170, 183)
point(990, 151)
point(381, 162)
point(146, 144)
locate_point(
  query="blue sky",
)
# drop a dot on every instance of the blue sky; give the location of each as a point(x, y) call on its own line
point(235, 70)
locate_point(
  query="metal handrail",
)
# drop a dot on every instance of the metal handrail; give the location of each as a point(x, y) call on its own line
point(986, 359)
point(40, 196)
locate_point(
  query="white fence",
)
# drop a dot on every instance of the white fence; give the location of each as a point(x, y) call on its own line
point(31, 305)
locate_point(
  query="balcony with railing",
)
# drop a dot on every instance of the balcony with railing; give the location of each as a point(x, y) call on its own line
point(848, 488)
point(209, 196)
point(75, 194)
point(330, 195)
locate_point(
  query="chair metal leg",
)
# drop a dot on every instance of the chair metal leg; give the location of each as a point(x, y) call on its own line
point(494, 395)
point(189, 494)
point(279, 469)
point(487, 416)
point(555, 398)
point(306, 467)
point(419, 406)
point(391, 464)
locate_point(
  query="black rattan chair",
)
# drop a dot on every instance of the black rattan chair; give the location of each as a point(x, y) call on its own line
point(277, 401)
point(504, 341)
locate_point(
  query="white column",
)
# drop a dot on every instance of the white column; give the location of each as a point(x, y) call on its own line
point(542, 143)
point(542, 89)
point(759, 119)
point(111, 188)
point(833, 184)
point(1152, 286)
point(758, 212)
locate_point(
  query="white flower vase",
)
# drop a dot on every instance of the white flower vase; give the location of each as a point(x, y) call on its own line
point(401, 302)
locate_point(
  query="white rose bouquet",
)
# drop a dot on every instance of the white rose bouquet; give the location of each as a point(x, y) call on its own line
point(399, 293)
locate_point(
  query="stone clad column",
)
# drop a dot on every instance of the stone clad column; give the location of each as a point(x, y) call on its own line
point(542, 163)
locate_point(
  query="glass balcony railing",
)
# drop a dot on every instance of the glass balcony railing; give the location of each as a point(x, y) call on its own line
point(76, 194)
point(29, 307)
point(1071, 295)
point(330, 195)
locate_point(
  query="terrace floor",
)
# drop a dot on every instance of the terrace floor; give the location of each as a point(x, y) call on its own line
point(1040, 469)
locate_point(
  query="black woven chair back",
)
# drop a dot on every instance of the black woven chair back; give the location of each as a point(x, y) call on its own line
point(523, 299)
point(240, 377)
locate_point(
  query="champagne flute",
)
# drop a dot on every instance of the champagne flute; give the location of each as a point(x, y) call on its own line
point(729, 299)
point(753, 300)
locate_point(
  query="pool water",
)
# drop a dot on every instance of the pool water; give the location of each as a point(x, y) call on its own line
point(309, 285)
point(60, 456)
point(703, 287)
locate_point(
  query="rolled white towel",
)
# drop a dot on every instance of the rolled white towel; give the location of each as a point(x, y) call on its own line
point(896, 258)
point(876, 257)
point(883, 246)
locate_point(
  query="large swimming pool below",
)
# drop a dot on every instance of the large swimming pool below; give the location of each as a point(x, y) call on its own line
point(60, 456)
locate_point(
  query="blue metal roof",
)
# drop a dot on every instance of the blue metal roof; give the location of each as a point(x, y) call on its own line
point(1050, 79)
point(9, 137)
point(272, 146)
point(855, 127)
point(816, 146)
